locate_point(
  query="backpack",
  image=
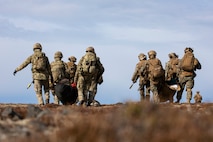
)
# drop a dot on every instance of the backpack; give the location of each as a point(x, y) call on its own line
point(156, 69)
point(40, 61)
point(187, 62)
point(58, 70)
point(89, 63)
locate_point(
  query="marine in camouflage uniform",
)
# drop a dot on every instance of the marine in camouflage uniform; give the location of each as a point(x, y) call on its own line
point(141, 72)
point(198, 98)
point(72, 68)
point(59, 71)
point(97, 79)
point(84, 80)
point(186, 79)
point(155, 83)
point(40, 77)
point(172, 69)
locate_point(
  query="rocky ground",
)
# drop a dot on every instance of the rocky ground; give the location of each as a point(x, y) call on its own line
point(129, 122)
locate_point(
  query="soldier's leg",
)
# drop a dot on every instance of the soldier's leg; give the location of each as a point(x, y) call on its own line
point(56, 101)
point(189, 86)
point(154, 90)
point(38, 91)
point(182, 83)
point(141, 89)
point(46, 91)
point(147, 92)
point(179, 95)
point(80, 87)
point(92, 91)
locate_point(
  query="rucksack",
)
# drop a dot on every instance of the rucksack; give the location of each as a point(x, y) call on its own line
point(40, 61)
point(58, 70)
point(89, 63)
point(156, 69)
point(187, 62)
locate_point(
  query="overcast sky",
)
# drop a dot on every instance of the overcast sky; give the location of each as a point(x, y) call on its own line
point(119, 30)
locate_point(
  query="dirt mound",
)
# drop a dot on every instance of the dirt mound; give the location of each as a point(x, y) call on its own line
point(108, 123)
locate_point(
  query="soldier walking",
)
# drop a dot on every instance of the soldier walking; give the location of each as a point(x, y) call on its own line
point(41, 72)
point(188, 66)
point(59, 72)
point(141, 72)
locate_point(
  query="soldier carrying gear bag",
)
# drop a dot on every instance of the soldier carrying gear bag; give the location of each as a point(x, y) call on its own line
point(156, 75)
point(59, 72)
point(86, 72)
point(188, 65)
point(41, 72)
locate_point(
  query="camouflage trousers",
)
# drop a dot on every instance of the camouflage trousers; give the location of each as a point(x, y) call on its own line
point(56, 101)
point(38, 84)
point(187, 82)
point(144, 92)
point(154, 89)
point(93, 90)
point(83, 85)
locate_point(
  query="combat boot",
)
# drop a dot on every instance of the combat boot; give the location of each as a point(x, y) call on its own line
point(147, 98)
point(47, 101)
point(188, 101)
point(40, 99)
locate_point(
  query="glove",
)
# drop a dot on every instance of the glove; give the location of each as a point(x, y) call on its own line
point(14, 73)
point(73, 85)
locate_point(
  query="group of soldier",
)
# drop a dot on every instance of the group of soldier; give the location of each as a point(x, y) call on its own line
point(173, 75)
point(47, 75)
point(87, 74)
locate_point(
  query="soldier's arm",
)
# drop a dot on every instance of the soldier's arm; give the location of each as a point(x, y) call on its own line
point(135, 74)
point(24, 64)
point(48, 66)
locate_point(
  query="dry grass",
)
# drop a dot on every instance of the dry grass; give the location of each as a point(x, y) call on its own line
point(132, 122)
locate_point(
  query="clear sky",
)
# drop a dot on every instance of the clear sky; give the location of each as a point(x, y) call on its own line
point(119, 30)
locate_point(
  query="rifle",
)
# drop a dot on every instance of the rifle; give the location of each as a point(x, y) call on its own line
point(28, 86)
point(131, 85)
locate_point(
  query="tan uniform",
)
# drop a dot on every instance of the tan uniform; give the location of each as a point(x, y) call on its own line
point(155, 83)
point(172, 69)
point(40, 77)
point(59, 72)
point(198, 98)
point(96, 79)
point(84, 80)
point(141, 72)
point(186, 80)
point(72, 67)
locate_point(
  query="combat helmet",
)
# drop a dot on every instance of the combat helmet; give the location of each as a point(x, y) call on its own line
point(58, 54)
point(72, 58)
point(188, 49)
point(152, 52)
point(37, 46)
point(142, 56)
point(90, 49)
point(173, 55)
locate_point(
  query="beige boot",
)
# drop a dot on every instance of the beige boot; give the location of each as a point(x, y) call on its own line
point(40, 99)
